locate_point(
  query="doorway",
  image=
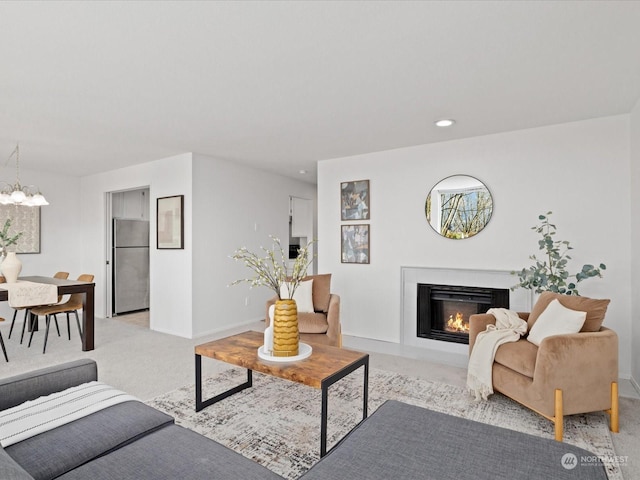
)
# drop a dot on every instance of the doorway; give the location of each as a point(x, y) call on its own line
point(301, 229)
point(128, 240)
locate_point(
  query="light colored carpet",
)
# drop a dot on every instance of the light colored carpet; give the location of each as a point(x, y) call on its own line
point(277, 422)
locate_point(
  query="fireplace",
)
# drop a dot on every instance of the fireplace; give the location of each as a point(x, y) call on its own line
point(444, 310)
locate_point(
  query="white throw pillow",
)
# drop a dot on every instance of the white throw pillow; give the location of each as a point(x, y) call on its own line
point(556, 319)
point(303, 295)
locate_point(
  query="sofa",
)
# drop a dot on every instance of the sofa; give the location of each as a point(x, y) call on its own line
point(126, 441)
point(565, 374)
point(134, 441)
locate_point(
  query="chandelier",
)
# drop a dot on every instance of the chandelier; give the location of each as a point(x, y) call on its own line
point(17, 194)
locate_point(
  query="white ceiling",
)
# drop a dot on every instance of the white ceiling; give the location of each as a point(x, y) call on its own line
point(93, 86)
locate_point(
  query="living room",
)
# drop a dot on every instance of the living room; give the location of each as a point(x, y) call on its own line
point(583, 164)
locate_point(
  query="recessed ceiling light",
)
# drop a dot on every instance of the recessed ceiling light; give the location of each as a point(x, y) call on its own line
point(302, 172)
point(445, 122)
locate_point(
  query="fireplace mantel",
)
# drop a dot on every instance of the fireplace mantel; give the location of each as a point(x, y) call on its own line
point(519, 299)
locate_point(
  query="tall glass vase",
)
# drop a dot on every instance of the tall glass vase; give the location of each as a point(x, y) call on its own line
point(285, 329)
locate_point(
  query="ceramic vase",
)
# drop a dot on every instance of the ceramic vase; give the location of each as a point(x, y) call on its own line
point(11, 267)
point(285, 329)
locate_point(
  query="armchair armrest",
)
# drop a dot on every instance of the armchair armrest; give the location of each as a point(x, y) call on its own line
point(31, 385)
point(578, 362)
point(334, 331)
point(479, 322)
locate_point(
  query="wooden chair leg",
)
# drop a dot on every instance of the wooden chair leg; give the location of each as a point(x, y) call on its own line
point(614, 412)
point(4, 350)
point(558, 418)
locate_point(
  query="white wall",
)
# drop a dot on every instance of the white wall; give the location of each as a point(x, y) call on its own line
point(577, 170)
point(170, 270)
point(60, 227)
point(234, 206)
point(635, 242)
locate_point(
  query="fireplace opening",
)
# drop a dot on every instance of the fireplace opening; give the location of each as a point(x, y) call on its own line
point(444, 310)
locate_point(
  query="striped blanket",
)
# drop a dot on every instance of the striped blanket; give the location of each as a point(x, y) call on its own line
point(46, 413)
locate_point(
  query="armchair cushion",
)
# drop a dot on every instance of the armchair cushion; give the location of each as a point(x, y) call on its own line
point(518, 356)
point(556, 320)
point(312, 323)
point(321, 291)
point(595, 309)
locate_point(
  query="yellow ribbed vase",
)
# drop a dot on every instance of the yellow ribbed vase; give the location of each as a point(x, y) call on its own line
point(285, 329)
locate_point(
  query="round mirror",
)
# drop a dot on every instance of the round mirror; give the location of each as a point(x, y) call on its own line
point(459, 206)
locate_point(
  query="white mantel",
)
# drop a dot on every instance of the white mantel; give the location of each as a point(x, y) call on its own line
point(519, 299)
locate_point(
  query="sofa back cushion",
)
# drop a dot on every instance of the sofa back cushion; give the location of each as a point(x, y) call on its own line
point(596, 309)
point(321, 291)
point(53, 453)
point(31, 385)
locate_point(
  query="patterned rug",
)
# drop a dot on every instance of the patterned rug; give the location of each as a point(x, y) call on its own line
point(277, 422)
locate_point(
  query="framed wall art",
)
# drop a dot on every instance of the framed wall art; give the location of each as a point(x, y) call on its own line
point(355, 243)
point(355, 200)
point(170, 222)
point(26, 220)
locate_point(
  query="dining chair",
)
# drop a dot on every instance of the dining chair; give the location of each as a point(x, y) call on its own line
point(70, 306)
point(61, 275)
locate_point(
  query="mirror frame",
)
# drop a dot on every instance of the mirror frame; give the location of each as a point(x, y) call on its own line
point(453, 192)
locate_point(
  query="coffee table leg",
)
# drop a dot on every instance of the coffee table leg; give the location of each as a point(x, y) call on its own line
point(365, 393)
point(323, 421)
point(325, 399)
point(200, 404)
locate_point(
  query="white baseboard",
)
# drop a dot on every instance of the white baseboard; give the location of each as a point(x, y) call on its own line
point(232, 329)
point(634, 384)
point(407, 351)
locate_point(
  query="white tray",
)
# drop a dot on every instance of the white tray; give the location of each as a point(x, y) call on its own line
point(304, 351)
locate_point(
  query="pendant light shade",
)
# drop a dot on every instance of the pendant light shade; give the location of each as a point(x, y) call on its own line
point(16, 194)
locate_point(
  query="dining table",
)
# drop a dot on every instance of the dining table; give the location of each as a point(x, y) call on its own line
point(69, 287)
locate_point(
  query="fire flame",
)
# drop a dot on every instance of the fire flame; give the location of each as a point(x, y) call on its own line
point(457, 324)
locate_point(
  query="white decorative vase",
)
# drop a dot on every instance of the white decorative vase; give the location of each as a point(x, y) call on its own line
point(11, 267)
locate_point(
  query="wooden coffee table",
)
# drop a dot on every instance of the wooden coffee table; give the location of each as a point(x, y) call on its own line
point(323, 368)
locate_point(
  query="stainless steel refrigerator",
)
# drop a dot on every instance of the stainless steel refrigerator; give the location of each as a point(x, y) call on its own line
point(130, 265)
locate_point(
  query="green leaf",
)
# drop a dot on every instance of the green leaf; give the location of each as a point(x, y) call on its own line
point(551, 273)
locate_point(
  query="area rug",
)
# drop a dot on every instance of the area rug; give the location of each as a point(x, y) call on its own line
point(277, 422)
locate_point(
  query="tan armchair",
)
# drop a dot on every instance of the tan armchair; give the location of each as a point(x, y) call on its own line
point(323, 325)
point(567, 374)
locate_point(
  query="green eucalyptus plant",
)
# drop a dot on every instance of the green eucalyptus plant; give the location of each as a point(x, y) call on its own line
point(5, 238)
point(550, 272)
